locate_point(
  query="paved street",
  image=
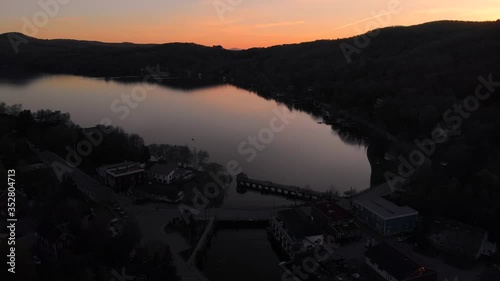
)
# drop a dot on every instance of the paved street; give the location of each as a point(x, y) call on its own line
point(151, 220)
point(153, 217)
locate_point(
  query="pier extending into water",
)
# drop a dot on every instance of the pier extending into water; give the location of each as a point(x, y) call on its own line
point(306, 194)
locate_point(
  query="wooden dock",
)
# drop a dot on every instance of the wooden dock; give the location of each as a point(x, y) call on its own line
point(244, 182)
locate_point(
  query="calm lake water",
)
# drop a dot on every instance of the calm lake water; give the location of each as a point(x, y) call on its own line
point(218, 120)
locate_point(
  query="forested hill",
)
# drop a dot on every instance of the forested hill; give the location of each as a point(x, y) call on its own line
point(402, 79)
point(408, 68)
point(395, 52)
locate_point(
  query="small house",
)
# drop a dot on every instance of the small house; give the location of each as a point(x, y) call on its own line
point(162, 172)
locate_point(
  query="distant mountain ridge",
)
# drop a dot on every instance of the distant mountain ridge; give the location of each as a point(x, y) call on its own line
point(393, 90)
point(455, 52)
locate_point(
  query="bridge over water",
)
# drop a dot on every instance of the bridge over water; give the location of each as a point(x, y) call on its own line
point(306, 194)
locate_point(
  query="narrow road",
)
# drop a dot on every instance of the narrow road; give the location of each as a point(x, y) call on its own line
point(151, 220)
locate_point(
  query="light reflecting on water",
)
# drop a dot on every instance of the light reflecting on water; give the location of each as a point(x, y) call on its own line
point(216, 119)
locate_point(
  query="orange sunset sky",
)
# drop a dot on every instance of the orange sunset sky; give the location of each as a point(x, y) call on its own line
point(230, 23)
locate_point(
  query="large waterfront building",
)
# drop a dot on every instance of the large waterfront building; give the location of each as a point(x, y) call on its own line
point(384, 216)
point(121, 176)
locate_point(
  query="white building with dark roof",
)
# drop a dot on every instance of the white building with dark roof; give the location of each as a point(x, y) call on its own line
point(121, 176)
point(162, 172)
point(166, 173)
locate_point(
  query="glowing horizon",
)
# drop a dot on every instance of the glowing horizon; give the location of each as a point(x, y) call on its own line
point(233, 24)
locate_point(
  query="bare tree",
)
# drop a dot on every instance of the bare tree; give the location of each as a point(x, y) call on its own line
point(213, 167)
point(200, 157)
point(162, 152)
point(185, 155)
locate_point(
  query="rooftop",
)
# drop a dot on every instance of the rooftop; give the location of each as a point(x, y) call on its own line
point(333, 211)
point(373, 200)
point(298, 225)
point(164, 169)
point(180, 172)
point(385, 208)
point(125, 170)
point(347, 227)
point(102, 169)
point(377, 191)
point(394, 262)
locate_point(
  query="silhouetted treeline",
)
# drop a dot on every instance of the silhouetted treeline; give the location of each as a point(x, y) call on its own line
point(402, 81)
point(416, 72)
point(54, 131)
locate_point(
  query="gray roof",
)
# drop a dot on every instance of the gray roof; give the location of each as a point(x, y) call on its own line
point(102, 169)
point(180, 172)
point(125, 170)
point(385, 208)
point(377, 191)
point(164, 169)
point(372, 199)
